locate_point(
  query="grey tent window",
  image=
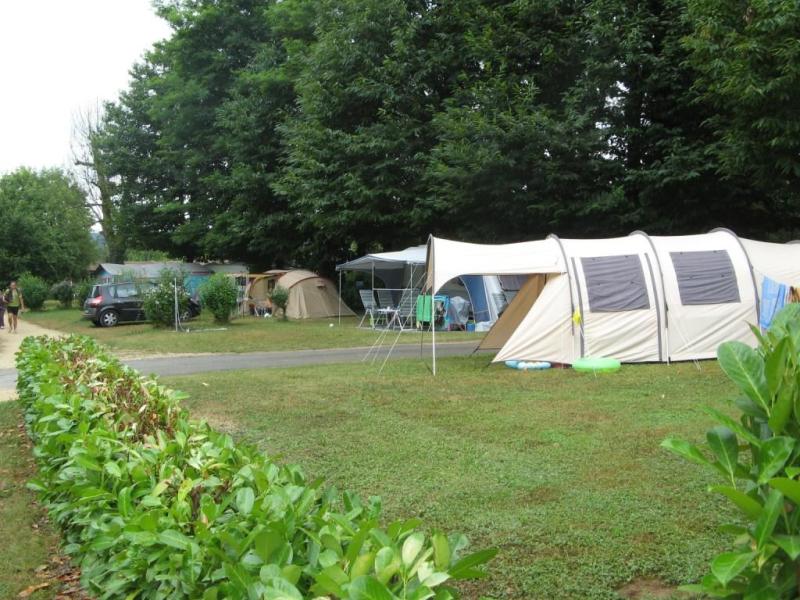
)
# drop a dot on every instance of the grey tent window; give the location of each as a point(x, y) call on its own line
point(615, 283)
point(705, 277)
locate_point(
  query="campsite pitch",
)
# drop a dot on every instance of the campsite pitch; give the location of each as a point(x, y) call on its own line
point(560, 470)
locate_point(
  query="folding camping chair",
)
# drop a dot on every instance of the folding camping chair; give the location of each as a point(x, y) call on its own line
point(368, 301)
point(406, 308)
point(500, 302)
point(386, 307)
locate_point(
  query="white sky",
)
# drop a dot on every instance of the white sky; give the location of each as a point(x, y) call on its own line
point(58, 57)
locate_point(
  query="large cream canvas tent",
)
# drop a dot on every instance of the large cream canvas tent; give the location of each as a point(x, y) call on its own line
point(310, 296)
point(638, 298)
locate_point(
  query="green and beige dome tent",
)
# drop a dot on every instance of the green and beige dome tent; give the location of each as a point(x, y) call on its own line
point(310, 296)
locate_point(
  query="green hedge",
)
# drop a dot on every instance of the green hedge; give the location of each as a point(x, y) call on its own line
point(154, 505)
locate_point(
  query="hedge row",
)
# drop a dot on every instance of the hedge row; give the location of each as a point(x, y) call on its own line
point(153, 505)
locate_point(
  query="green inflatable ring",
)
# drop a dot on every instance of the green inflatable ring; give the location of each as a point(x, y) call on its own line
point(590, 364)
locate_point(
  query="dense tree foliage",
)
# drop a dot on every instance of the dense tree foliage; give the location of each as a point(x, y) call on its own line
point(307, 130)
point(44, 229)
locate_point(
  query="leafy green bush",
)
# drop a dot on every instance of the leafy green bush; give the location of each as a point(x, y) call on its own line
point(219, 294)
point(34, 291)
point(158, 302)
point(280, 299)
point(64, 292)
point(83, 289)
point(764, 483)
point(154, 505)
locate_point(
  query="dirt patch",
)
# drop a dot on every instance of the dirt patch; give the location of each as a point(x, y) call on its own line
point(649, 589)
point(540, 495)
point(7, 395)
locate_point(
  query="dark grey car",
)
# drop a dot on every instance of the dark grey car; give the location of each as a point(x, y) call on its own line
point(110, 304)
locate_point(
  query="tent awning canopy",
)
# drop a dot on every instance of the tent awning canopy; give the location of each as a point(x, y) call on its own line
point(386, 261)
point(448, 259)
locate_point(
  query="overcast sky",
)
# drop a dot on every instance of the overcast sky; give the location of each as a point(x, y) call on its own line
point(58, 57)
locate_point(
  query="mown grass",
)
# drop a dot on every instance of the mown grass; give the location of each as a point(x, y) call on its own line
point(27, 539)
point(246, 334)
point(561, 471)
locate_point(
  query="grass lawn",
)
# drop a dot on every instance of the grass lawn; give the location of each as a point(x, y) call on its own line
point(561, 471)
point(25, 534)
point(248, 334)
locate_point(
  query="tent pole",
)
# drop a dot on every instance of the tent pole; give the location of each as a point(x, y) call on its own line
point(340, 298)
point(433, 315)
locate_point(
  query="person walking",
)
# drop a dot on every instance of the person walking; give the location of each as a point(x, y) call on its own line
point(2, 311)
point(14, 303)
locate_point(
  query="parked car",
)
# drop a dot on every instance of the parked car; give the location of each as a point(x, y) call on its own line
point(110, 304)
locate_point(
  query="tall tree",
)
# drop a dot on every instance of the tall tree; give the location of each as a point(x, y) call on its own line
point(747, 59)
point(92, 173)
point(164, 131)
point(45, 229)
point(518, 154)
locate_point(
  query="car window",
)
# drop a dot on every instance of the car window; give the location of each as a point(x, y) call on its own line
point(127, 290)
point(95, 292)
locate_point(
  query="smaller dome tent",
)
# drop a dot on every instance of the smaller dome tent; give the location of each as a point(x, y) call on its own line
point(310, 296)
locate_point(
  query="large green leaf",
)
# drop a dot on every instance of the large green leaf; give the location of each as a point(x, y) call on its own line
point(330, 581)
point(733, 425)
point(369, 588)
point(688, 451)
point(749, 506)
point(266, 544)
point(124, 504)
point(387, 563)
point(725, 447)
point(238, 578)
point(726, 566)
point(441, 551)
point(412, 547)
point(245, 498)
point(788, 487)
point(746, 368)
point(174, 538)
point(760, 588)
point(775, 365)
point(773, 456)
point(781, 410)
point(769, 517)
point(789, 543)
point(280, 589)
point(466, 567)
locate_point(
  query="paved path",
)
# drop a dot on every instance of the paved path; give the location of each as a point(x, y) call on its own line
point(204, 363)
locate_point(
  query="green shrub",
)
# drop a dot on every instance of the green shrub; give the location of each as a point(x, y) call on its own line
point(153, 505)
point(83, 289)
point(219, 295)
point(280, 299)
point(158, 302)
point(763, 484)
point(64, 292)
point(34, 291)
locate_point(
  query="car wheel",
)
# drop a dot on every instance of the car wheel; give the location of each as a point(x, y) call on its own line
point(109, 318)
